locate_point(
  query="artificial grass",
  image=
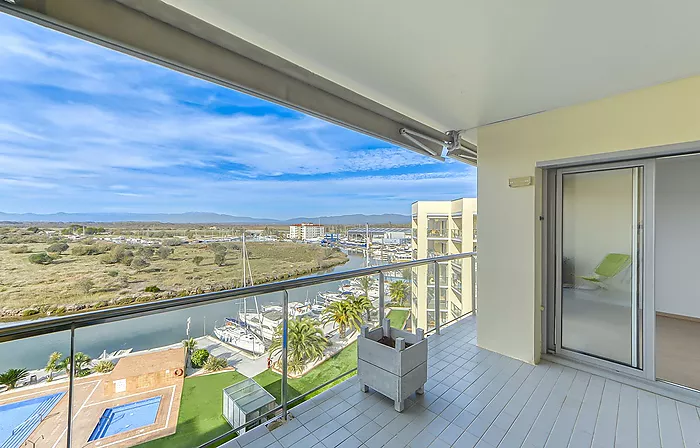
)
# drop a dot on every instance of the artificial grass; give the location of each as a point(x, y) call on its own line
point(200, 418)
point(343, 361)
point(398, 318)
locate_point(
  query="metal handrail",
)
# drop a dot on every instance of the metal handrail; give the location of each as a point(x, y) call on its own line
point(24, 330)
point(72, 322)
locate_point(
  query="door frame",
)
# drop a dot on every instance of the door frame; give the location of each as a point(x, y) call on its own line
point(646, 318)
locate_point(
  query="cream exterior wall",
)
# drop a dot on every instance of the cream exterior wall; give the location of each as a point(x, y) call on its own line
point(509, 229)
point(459, 214)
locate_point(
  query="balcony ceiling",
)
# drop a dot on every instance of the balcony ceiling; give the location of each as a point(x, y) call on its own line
point(459, 64)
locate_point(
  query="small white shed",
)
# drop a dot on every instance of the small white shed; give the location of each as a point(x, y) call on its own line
point(246, 401)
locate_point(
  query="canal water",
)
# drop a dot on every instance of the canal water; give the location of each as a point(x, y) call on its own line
point(152, 331)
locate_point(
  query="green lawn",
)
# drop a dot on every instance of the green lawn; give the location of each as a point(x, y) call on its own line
point(398, 318)
point(338, 364)
point(200, 416)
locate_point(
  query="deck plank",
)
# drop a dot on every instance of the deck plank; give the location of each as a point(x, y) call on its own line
point(626, 435)
point(669, 424)
point(649, 436)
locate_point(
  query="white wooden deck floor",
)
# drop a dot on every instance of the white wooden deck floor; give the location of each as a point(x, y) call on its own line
point(483, 399)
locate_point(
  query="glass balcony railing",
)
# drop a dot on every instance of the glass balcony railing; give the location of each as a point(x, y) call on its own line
point(414, 232)
point(437, 233)
point(456, 234)
point(172, 361)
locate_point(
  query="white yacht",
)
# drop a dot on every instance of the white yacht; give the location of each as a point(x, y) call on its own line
point(240, 337)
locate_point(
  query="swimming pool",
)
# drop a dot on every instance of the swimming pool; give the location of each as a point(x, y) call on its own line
point(126, 417)
point(19, 420)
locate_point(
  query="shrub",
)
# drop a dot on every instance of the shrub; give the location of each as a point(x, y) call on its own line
point(197, 260)
point(57, 248)
point(90, 249)
point(103, 366)
point(172, 242)
point(113, 273)
point(152, 288)
point(214, 364)
point(85, 285)
point(164, 252)
point(199, 357)
point(145, 251)
point(20, 250)
point(139, 263)
point(40, 258)
point(30, 312)
point(220, 258)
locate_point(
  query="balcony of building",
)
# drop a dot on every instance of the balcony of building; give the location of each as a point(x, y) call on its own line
point(476, 397)
point(456, 235)
point(437, 228)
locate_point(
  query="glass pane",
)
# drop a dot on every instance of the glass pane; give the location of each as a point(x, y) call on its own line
point(599, 242)
point(34, 391)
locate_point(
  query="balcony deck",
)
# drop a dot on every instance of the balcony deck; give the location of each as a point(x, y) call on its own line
point(479, 398)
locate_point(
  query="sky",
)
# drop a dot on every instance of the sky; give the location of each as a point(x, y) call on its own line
point(87, 129)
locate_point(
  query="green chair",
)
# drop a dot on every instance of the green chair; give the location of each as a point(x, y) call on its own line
point(611, 266)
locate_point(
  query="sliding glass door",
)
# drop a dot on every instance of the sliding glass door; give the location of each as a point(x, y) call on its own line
point(599, 239)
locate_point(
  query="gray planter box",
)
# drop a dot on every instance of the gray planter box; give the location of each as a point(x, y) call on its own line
point(394, 372)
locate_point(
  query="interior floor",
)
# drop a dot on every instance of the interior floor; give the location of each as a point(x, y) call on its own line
point(677, 354)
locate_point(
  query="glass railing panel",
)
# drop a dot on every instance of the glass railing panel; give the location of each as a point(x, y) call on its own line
point(178, 372)
point(437, 233)
point(456, 233)
point(34, 391)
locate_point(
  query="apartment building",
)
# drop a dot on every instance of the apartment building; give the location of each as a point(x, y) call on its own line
point(306, 231)
point(442, 228)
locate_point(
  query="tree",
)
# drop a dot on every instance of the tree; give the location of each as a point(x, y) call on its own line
point(103, 366)
point(365, 283)
point(57, 248)
point(214, 364)
point(220, 258)
point(40, 258)
point(189, 345)
point(398, 291)
point(199, 357)
point(85, 285)
point(139, 263)
point(164, 252)
point(197, 260)
point(81, 362)
point(13, 376)
point(363, 305)
point(344, 314)
point(306, 343)
point(54, 364)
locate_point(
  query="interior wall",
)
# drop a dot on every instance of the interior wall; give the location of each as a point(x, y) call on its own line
point(597, 217)
point(510, 299)
point(677, 222)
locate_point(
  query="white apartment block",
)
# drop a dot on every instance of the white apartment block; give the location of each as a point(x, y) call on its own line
point(306, 231)
point(442, 228)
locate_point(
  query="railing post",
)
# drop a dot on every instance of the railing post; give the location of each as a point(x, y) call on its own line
point(473, 274)
point(71, 376)
point(381, 297)
point(437, 297)
point(285, 342)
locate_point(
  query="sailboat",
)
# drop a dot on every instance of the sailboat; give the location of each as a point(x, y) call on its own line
point(237, 332)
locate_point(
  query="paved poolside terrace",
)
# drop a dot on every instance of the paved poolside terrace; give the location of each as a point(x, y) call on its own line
point(479, 398)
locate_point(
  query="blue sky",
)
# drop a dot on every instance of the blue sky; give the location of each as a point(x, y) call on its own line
point(86, 129)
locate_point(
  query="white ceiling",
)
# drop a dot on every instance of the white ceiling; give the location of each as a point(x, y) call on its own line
point(459, 64)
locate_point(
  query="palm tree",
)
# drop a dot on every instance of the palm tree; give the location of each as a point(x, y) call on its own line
point(306, 343)
point(398, 291)
point(12, 377)
point(54, 364)
point(365, 283)
point(344, 314)
point(363, 305)
point(190, 345)
point(81, 361)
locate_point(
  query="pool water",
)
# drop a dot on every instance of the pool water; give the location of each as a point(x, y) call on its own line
point(19, 420)
point(126, 418)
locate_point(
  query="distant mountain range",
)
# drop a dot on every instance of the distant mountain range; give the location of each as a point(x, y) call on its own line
point(200, 218)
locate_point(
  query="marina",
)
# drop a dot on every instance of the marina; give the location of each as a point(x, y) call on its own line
point(163, 329)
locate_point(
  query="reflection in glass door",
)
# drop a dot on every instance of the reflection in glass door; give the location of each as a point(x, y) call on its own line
point(599, 240)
